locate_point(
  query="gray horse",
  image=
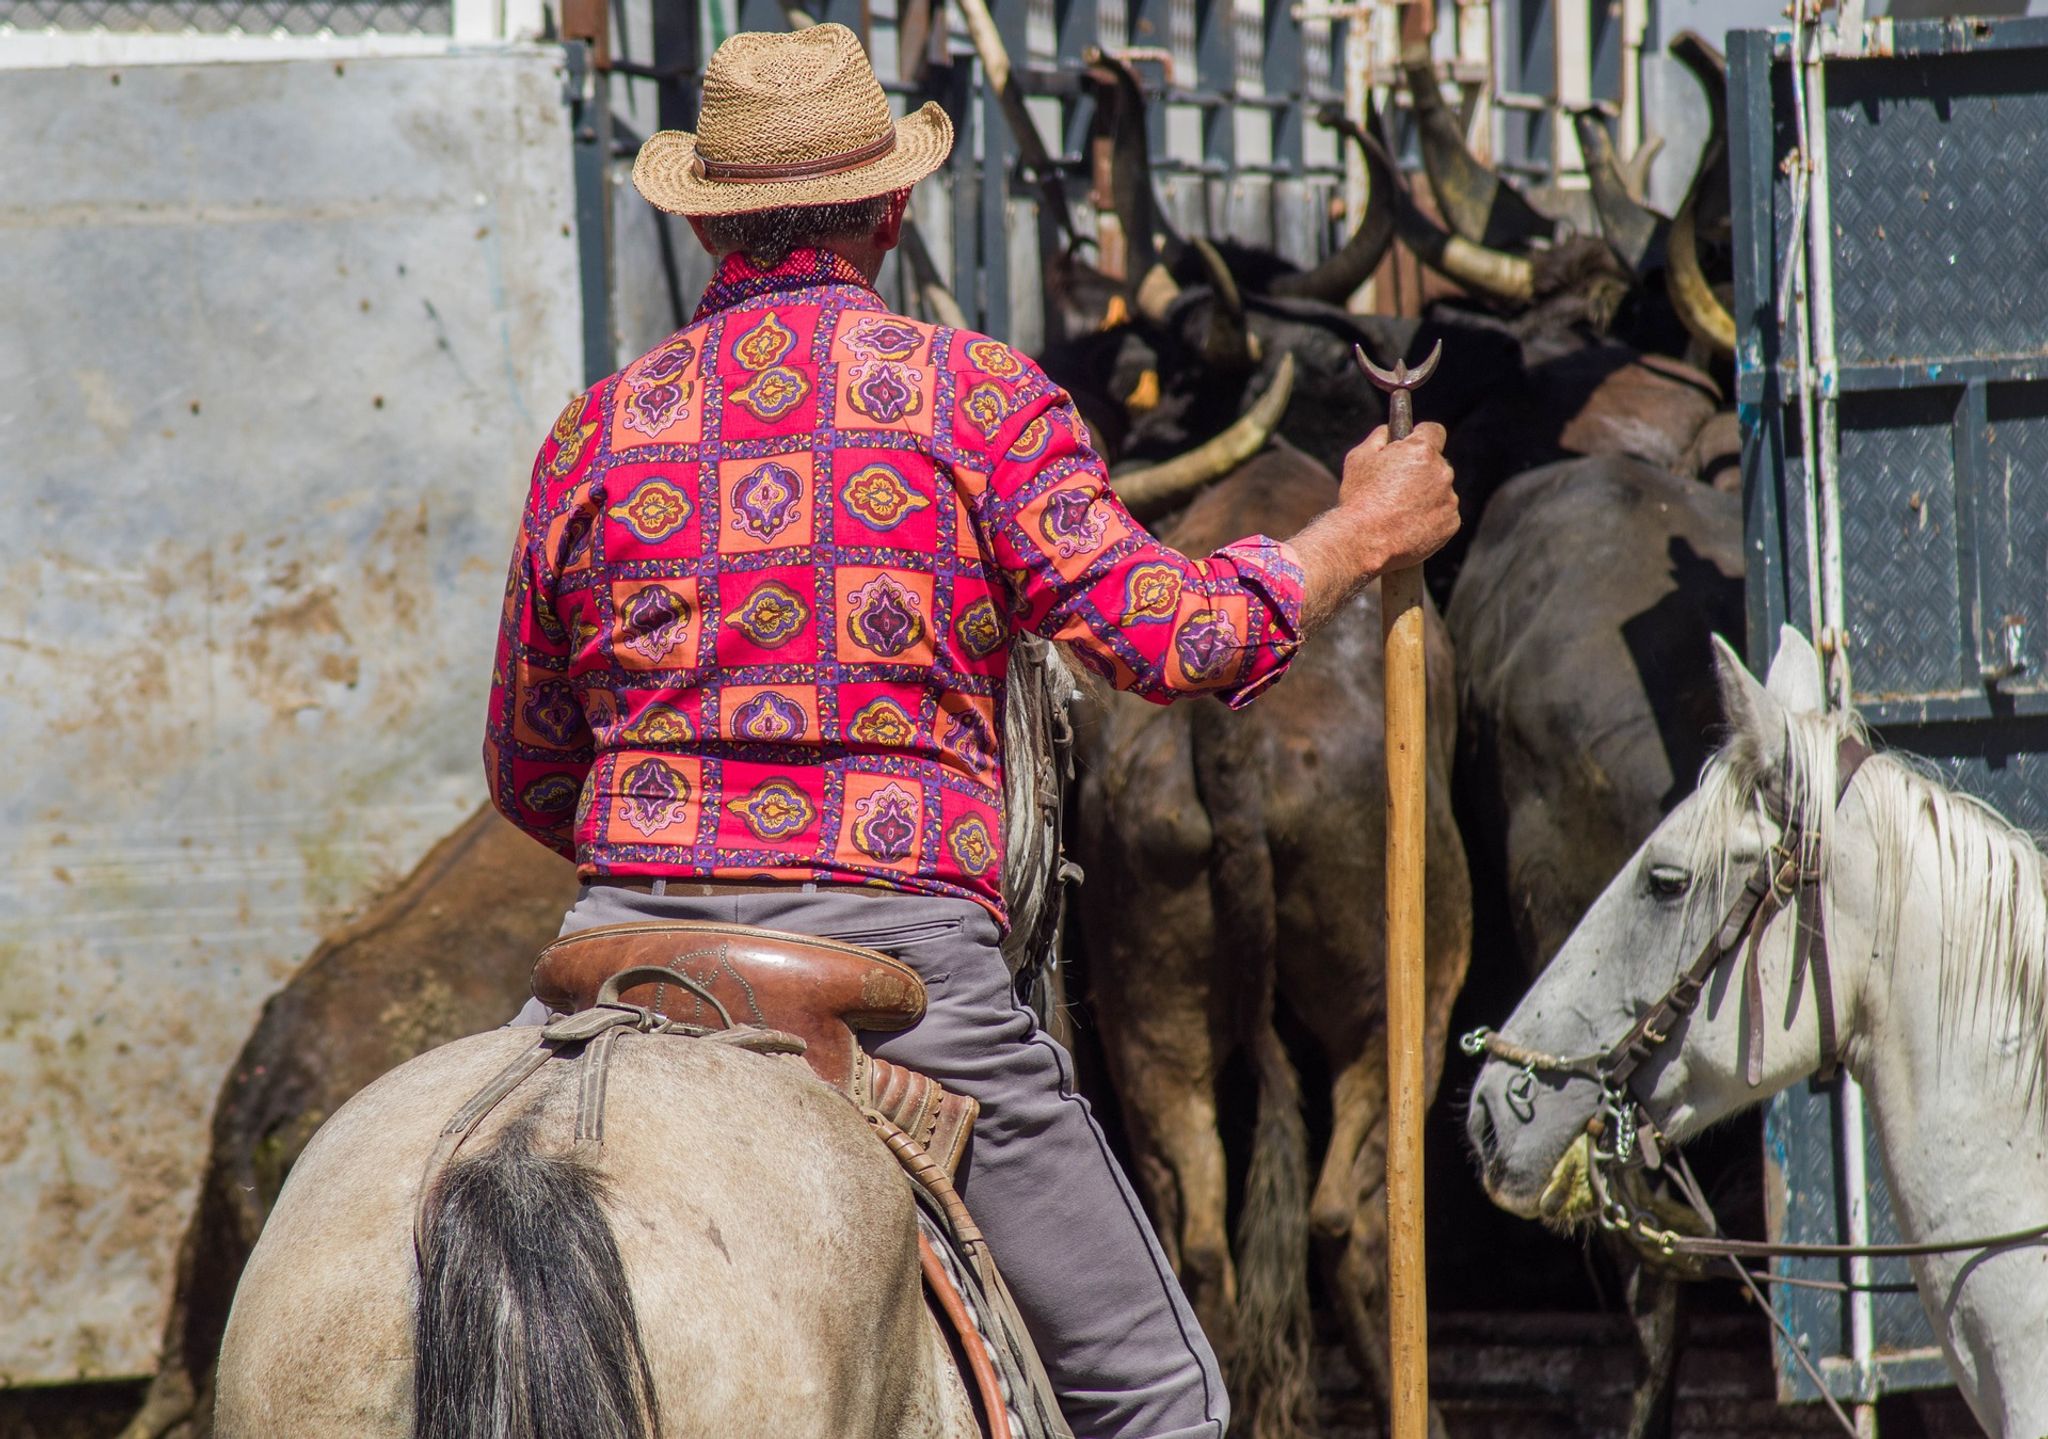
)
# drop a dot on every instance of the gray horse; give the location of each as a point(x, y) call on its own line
point(744, 1263)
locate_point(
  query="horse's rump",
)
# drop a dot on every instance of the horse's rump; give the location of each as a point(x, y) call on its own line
point(768, 1240)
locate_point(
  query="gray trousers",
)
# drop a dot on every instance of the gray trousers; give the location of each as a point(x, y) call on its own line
point(1116, 1333)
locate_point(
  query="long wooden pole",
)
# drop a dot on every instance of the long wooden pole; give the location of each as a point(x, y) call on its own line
point(1407, 738)
point(1407, 790)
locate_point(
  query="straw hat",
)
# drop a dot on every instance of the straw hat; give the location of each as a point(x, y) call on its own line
point(790, 119)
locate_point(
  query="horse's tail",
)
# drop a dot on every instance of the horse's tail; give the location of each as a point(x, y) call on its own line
point(1271, 1247)
point(524, 1328)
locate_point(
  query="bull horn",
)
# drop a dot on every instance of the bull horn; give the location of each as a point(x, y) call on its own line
point(1155, 293)
point(931, 290)
point(796, 17)
point(1150, 289)
point(1333, 281)
point(1635, 173)
point(995, 62)
point(1228, 345)
point(1157, 487)
point(1634, 233)
point(1711, 70)
point(1480, 206)
point(1698, 307)
point(1489, 272)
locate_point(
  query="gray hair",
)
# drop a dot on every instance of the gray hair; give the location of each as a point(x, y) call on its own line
point(767, 236)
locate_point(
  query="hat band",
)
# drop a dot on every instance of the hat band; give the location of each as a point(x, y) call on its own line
point(735, 173)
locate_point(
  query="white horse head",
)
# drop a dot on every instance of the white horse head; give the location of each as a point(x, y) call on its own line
point(1937, 947)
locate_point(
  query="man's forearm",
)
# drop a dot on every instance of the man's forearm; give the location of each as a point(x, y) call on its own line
point(1341, 553)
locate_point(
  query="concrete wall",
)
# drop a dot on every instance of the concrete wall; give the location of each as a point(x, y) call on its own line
point(280, 342)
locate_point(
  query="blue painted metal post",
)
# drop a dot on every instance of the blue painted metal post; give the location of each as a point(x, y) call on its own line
point(591, 137)
point(999, 158)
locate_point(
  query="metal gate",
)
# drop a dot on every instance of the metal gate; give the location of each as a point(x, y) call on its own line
point(1892, 373)
point(1232, 85)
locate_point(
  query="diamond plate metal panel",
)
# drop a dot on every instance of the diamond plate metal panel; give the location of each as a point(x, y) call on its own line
point(1899, 540)
point(1940, 265)
point(1933, 216)
point(2013, 530)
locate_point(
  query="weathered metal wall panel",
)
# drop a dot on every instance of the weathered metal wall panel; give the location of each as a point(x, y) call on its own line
point(280, 340)
point(1941, 382)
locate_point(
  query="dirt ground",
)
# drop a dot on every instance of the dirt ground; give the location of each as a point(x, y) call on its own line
point(1522, 1376)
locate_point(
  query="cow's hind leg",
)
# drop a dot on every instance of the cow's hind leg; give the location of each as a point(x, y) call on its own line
point(1167, 1082)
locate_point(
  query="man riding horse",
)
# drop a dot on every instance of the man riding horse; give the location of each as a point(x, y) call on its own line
point(755, 639)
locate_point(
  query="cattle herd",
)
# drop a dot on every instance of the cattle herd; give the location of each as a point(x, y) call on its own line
point(1228, 934)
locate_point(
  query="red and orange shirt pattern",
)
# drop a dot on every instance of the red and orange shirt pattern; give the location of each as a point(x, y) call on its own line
point(759, 615)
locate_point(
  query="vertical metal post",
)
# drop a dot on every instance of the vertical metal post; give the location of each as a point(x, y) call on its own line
point(1819, 390)
point(678, 46)
point(1281, 75)
point(1216, 74)
point(1969, 438)
point(999, 157)
point(1151, 28)
point(1635, 22)
point(964, 185)
point(1080, 27)
point(1820, 239)
point(1571, 41)
point(1354, 46)
point(590, 128)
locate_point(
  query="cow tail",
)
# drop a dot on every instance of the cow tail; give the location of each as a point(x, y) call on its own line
point(1271, 1373)
point(524, 1326)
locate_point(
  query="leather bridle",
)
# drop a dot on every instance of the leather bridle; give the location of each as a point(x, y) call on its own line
point(1787, 875)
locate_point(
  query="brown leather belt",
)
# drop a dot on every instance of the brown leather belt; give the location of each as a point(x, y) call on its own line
point(714, 888)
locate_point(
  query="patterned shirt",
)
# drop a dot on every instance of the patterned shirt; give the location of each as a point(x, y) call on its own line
point(760, 611)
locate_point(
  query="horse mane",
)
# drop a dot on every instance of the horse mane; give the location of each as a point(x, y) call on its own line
point(1990, 874)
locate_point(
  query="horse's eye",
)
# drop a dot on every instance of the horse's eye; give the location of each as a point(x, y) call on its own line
point(1668, 881)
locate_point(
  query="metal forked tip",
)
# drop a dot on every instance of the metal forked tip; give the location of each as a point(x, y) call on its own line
point(1400, 377)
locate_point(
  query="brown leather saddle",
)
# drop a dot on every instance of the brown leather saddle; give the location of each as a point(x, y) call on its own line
point(819, 990)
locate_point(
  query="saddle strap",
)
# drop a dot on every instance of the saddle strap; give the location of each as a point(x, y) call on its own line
point(981, 1368)
point(462, 1124)
point(1035, 1402)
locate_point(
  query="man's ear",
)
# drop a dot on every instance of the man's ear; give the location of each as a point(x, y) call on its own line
point(697, 228)
point(891, 229)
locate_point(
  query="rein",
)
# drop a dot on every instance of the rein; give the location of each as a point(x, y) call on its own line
point(1622, 1133)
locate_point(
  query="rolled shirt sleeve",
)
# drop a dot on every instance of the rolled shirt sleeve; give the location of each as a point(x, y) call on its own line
point(1081, 571)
